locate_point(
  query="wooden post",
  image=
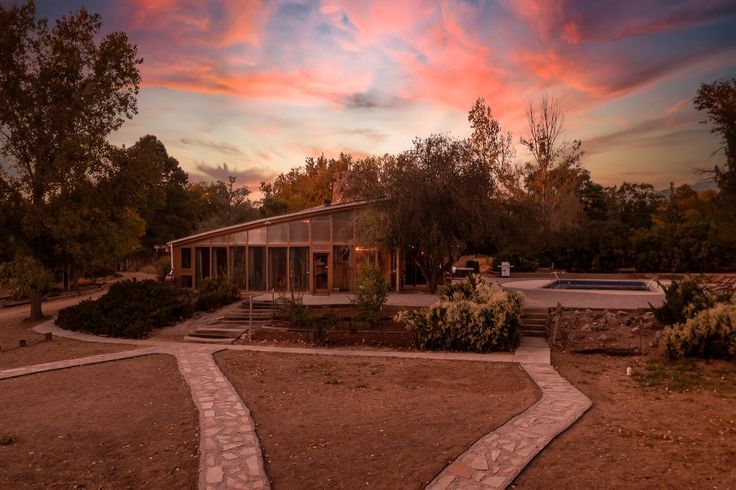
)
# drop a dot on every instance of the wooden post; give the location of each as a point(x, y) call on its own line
point(48, 337)
point(250, 318)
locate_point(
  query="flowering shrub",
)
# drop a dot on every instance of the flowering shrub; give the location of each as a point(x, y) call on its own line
point(470, 316)
point(711, 334)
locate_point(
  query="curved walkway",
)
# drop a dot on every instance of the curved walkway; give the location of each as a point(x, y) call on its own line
point(230, 453)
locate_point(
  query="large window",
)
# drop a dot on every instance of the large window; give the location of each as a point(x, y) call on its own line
point(321, 229)
point(237, 267)
point(277, 271)
point(219, 261)
point(299, 257)
point(278, 233)
point(257, 236)
point(299, 231)
point(342, 227)
point(341, 277)
point(257, 268)
point(202, 258)
point(186, 258)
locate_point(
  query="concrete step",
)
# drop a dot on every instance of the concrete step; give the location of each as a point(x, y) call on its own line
point(215, 335)
point(206, 340)
point(532, 333)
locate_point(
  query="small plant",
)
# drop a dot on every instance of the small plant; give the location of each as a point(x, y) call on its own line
point(371, 293)
point(8, 439)
point(292, 309)
point(317, 327)
point(711, 334)
point(683, 299)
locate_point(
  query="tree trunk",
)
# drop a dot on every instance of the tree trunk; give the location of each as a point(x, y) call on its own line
point(36, 312)
point(433, 280)
point(75, 279)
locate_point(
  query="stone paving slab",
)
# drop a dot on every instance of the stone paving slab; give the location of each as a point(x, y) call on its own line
point(496, 459)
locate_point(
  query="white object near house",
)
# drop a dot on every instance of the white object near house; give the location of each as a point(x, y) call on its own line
point(505, 269)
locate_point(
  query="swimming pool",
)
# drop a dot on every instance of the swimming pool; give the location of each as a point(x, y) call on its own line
point(598, 284)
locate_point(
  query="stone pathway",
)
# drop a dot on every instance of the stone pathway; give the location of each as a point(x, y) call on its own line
point(230, 453)
point(498, 457)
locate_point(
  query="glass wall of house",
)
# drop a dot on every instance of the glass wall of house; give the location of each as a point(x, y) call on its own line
point(299, 268)
point(278, 272)
point(257, 268)
point(281, 255)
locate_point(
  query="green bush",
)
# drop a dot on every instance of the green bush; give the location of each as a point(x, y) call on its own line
point(130, 309)
point(215, 293)
point(711, 334)
point(292, 309)
point(683, 299)
point(470, 316)
point(371, 293)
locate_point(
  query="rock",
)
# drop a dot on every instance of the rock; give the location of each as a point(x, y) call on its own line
point(635, 330)
point(586, 328)
point(658, 334)
point(603, 338)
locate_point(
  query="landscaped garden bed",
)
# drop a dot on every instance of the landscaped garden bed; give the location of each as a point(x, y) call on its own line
point(124, 424)
point(340, 422)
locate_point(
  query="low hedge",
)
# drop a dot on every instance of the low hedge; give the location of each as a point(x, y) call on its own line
point(471, 316)
point(130, 309)
point(215, 293)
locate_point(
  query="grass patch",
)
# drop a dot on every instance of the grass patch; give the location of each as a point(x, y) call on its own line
point(8, 440)
point(686, 375)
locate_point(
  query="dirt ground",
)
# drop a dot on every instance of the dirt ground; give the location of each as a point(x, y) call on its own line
point(670, 425)
point(339, 422)
point(123, 424)
point(14, 327)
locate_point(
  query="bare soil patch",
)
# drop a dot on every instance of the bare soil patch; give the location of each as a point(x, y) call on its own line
point(123, 424)
point(14, 327)
point(670, 425)
point(341, 422)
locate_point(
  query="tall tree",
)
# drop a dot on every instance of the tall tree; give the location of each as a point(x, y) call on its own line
point(436, 202)
point(554, 178)
point(718, 100)
point(63, 90)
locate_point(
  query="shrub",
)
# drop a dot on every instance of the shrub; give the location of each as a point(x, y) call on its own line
point(371, 293)
point(683, 299)
point(470, 316)
point(130, 309)
point(292, 309)
point(214, 293)
point(711, 334)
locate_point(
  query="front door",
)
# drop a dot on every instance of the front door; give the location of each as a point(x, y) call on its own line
point(321, 272)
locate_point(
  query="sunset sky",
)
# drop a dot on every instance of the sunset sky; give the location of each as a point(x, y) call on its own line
point(251, 88)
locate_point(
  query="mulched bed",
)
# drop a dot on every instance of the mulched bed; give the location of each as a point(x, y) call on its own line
point(123, 424)
point(342, 422)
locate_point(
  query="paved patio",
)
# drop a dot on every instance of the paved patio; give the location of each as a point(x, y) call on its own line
point(230, 453)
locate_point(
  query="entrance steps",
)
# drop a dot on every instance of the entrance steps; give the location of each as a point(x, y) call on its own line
point(534, 322)
point(230, 327)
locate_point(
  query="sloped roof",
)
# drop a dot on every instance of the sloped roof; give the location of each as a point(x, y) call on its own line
point(305, 213)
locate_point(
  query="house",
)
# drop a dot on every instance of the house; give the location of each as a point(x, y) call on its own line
point(314, 250)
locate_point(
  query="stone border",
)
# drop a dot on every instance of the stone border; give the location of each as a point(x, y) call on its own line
point(228, 434)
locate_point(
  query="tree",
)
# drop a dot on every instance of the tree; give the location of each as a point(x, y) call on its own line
point(303, 187)
point(223, 204)
point(435, 202)
point(63, 90)
point(492, 148)
point(554, 178)
point(718, 100)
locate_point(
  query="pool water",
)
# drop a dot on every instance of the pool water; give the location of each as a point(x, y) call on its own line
point(598, 284)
